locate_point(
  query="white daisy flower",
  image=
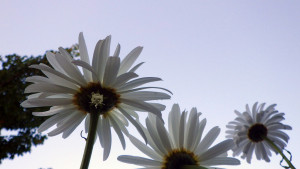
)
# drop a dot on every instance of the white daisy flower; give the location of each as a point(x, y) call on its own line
point(108, 89)
point(251, 128)
point(183, 146)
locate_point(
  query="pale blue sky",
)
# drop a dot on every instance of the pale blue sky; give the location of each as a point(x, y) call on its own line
point(214, 55)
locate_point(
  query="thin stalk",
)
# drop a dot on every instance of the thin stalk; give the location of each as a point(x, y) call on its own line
point(90, 141)
point(271, 143)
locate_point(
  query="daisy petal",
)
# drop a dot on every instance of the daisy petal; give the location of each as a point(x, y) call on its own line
point(144, 148)
point(111, 70)
point(47, 87)
point(54, 110)
point(72, 119)
point(52, 121)
point(84, 56)
point(117, 51)
point(136, 125)
point(37, 102)
point(107, 139)
point(208, 139)
point(118, 131)
point(142, 105)
point(136, 67)
point(138, 82)
point(123, 78)
point(217, 150)
point(221, 161)
point(138, 160)
point(130, 59)
point(86, 67)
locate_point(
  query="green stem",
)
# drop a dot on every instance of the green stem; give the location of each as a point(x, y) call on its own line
point(90, 141)
point(271, 143)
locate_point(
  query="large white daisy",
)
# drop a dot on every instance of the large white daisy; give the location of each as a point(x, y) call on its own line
point(108, 89)
point(251, 128)
point(183, 146)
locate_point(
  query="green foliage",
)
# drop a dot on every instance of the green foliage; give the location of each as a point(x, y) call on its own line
point(13, 72)
point(13, 117)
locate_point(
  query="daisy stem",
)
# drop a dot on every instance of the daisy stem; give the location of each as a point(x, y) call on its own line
point(271, 143)
point(90, 141)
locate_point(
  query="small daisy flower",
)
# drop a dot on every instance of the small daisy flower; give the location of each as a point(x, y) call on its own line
point(252, 128)
point(108, 89)
point(182, 146)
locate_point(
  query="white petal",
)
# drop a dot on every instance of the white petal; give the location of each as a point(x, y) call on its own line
point(70, 69)
point(208, 139)
point(182, 129)
point(138, 82)
point(136, 125)
point(250, 152)
point(276, 118)
point(99, 131)
point(52, 60)
point(278, 142)
point(52, 121)
point(138, 160)
point(117, 51)
point(84, 56)
point(200, 130)
point(278, 126)
point(71, 120)
point(216, 150)
point(131, 110)
point(142, 105)
point(130, 59)
point(144, 148)
point(54, 79)
point(106, 139)
point(38, 79)
point(54, 110)
point(264, 153)
point(254, 111)
point(221, 161)
point(111, 70)
point(279, 134)
point(118, 131)
point(155, 136)
point(87, 123)
point(119, 117)
point(173, 123)
point(88, 68)
point(72, 127)
point(136, 67)
point(37, 102)
point(103, 54)
point(142, 88)
point(121, 121)
point(54, 72)
point(47, 87)
point(163, 134)
point(146, 95)
point(123, 78)
point(158, 106)
point(191, 132)
point(99, 61)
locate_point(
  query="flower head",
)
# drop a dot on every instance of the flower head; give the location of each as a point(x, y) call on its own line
point(181, 147)
point(108, 87)
point(251, 128)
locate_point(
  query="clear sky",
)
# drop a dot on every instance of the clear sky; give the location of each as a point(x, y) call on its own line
point(216, 55)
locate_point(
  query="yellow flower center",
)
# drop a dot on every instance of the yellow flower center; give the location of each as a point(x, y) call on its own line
point(94, 98)
point(179, 158)
point(257, 132)
point(97, 99)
